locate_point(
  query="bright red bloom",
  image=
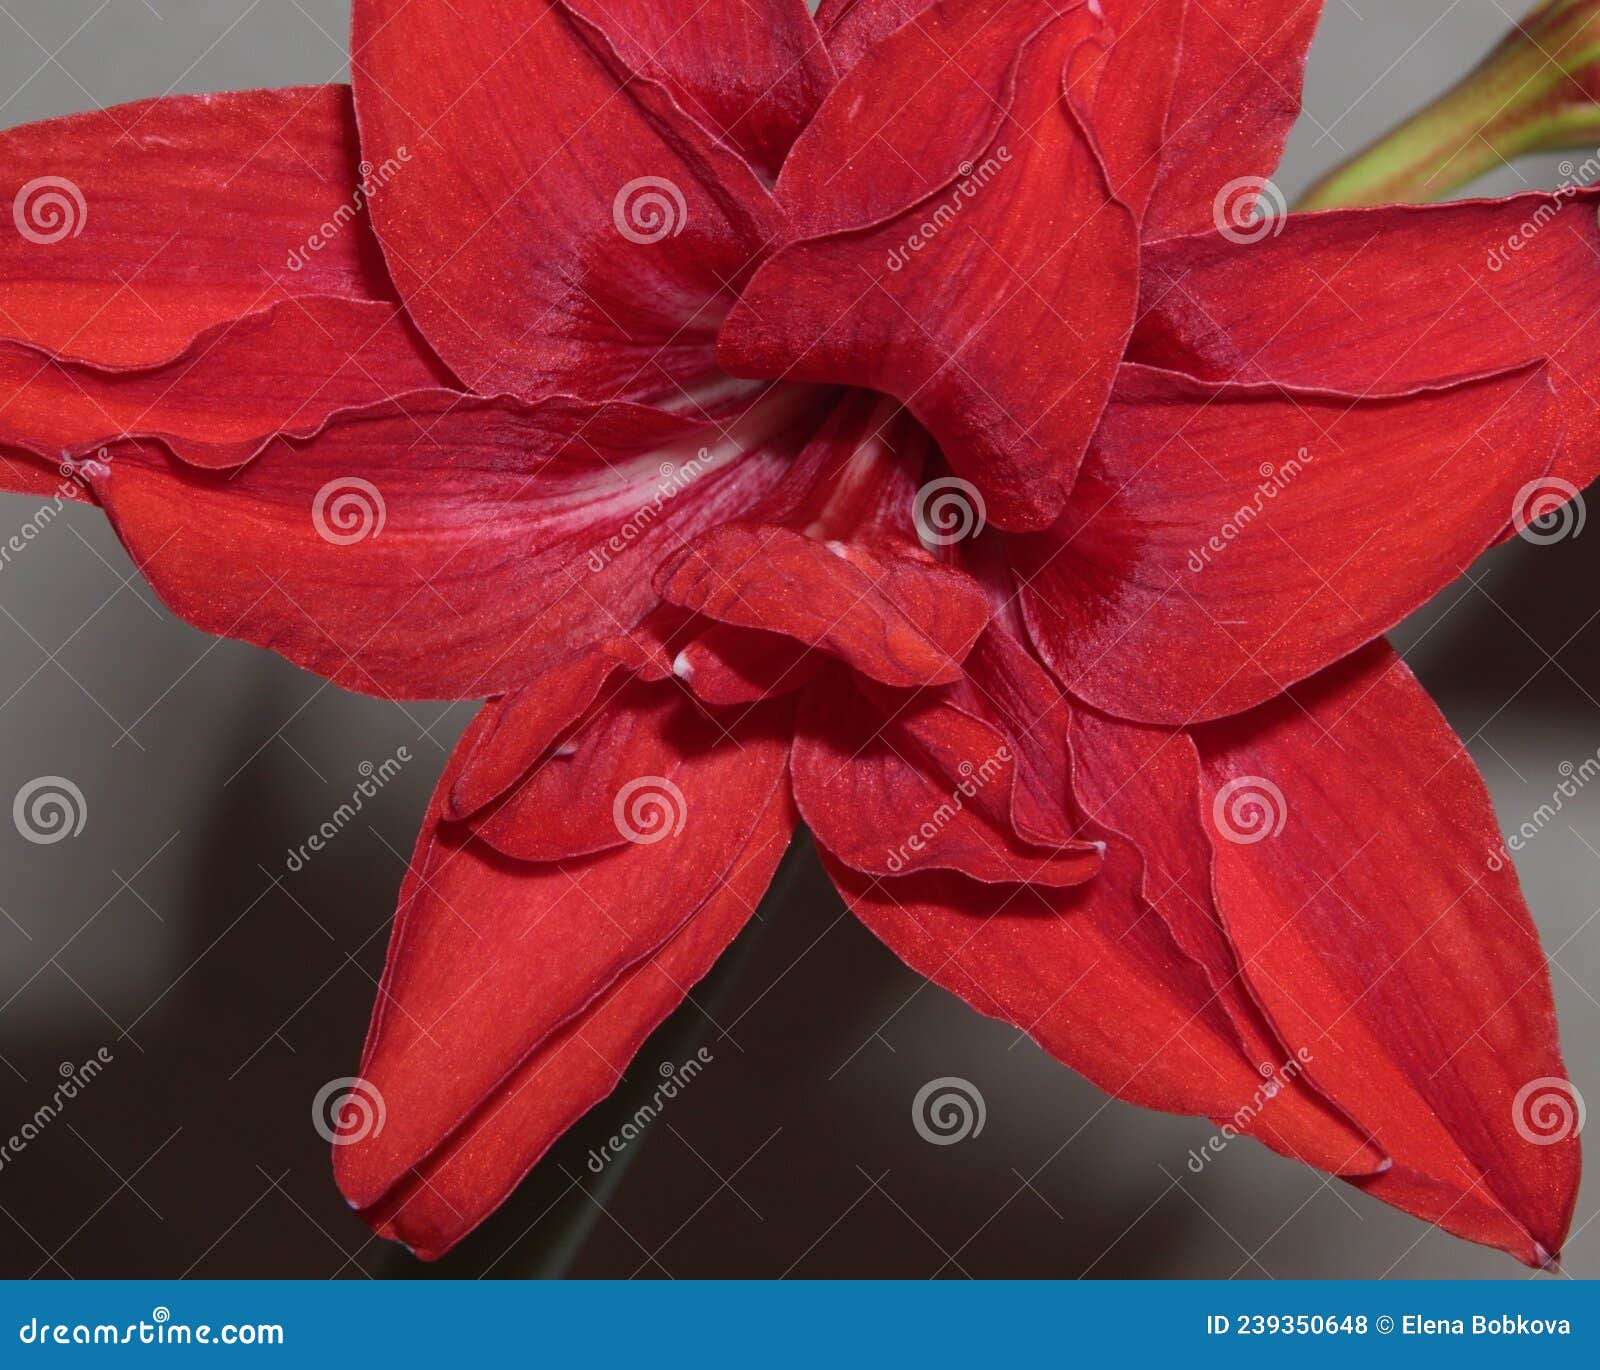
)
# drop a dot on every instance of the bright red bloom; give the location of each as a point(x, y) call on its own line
point(874, 419)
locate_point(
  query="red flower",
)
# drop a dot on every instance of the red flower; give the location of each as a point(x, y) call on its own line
point(884, 418)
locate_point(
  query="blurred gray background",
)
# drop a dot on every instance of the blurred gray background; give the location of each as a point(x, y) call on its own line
point(227, 990)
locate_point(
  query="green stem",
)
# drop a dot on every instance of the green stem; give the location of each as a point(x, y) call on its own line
point(1531, 94)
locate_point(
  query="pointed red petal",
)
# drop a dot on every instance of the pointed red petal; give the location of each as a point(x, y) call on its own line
point(1225, 541)
point(570, 233)
point(1237, 93)
point(1097, 982)
point(440, 547)
point(158, 220)
point(1140, 788)
point(468, 1177)
point(286, 370)
point(492, 958)
point(945, 182)
point(1356, 300)
point(1144, 783)
point(1357, 878)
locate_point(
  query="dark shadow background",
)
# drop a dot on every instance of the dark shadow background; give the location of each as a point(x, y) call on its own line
point(228, 990)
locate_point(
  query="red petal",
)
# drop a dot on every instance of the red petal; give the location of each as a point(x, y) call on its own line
point(648, 649)
point(1142, 786)
point(1225, 541)
point(1005, 686)
point(517, 729)
point(924, 787)
point(945, 183)
point(1237, 93)
point(852, 28)
point(466, 545)
point(1144, 783)
point(467, 1178)
point(26, 473)
point(182, 213)
point(1358, 300)
point(1385, 939)
point(752, 78)
point(1120, 82)
point(904, 621)
point(285, 370)
point(574, 233)
point(1011, 691)
point(567, 804)
point(492, 958)
point(929, 101)
point(725, 665)
point(1096, 981)
point(839, 568)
